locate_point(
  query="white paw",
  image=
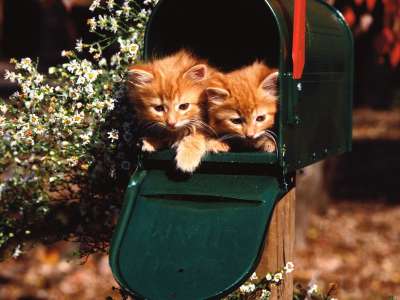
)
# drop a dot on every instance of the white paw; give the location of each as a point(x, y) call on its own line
point(147, 147)
point(269, 146)
point(187, 162)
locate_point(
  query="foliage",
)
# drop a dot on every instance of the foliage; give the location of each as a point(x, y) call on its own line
point(387, 37)
point(62, 133)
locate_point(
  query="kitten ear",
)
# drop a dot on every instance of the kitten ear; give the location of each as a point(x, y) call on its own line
point(270, 84)
point(140, 77)
point(196, 73)
point(216, 95)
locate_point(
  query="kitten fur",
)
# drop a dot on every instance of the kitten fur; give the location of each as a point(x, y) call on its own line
point(168, 96)
point(243, 104)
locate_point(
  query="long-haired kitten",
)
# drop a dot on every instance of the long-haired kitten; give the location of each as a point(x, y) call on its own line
point(168, 96)
point(242, 106)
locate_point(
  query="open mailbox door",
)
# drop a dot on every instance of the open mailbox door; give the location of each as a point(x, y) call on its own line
point(193, 239)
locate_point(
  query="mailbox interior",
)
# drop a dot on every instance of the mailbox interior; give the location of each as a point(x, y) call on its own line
point(229, 34)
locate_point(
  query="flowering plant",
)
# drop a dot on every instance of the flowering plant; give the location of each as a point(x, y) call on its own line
point(62, 132)
point(260, 288)
point(256, 288)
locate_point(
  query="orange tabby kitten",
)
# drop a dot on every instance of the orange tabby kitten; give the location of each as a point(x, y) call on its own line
point(169, 99)
point(243, 104)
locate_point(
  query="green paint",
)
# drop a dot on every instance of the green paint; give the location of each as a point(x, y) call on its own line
point(191, 239)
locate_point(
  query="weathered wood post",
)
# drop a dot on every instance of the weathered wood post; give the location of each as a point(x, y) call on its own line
point(279, 245)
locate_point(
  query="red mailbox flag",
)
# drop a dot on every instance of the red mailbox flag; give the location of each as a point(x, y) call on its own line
point(299, 31)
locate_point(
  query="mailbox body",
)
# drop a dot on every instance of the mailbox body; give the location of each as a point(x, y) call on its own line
point(314, 119)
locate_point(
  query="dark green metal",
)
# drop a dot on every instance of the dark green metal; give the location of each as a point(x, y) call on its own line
point(230, 157)
point(192, 239)
point(200, 237)
point(316, 110)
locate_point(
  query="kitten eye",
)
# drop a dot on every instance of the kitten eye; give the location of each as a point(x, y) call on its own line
point(237, 121)
point(260, 118)
point(184, 106)
point(159, 108)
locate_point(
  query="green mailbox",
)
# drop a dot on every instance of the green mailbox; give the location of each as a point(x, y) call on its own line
point(201, 236)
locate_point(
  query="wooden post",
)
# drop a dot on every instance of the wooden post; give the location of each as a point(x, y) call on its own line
point(279, 246)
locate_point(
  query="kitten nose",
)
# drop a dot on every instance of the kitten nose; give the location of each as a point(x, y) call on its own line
point(171, 123)
point(250, 134)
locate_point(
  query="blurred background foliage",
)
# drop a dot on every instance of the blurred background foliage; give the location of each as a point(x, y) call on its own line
point(347, 206)
point(376, 28)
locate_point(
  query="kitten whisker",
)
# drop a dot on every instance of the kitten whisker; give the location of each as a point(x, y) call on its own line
point(189, 127)
point(269, 135)
point(153, 126)
point(271, 132)
point(229, 136)
point(149, 125)
point(131, 82)
point(145, 125)
point(203, 125)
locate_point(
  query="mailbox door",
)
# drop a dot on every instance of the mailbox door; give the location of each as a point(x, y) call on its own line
point(198, 238)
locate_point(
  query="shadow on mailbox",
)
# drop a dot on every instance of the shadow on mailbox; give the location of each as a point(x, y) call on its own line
point(200, 237)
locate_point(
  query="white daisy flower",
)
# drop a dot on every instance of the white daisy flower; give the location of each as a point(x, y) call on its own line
point(312, 289)
point(11, 76)
point(103, 62)
point(17, 252)
point(95, 4)
point(38, 79)
point(103, 21)
point(113, 135)
point(92, 24)
point(33, 119)
point(247, 288)
point(278, 277)
point(289, 268)
point(3, 108)
point(265, 295)
point(113, 25)
point(126, 8)
point(110, 4)
point(253, 276)
point(79, 45)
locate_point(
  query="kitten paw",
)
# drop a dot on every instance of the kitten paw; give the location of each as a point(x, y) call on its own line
point(268, 146)
point(216, 146)
point(148, 147)
point(186, 162)
point(189, 154)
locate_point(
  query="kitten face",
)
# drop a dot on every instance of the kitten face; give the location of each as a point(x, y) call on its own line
point(244, 103)
point(169, 92)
